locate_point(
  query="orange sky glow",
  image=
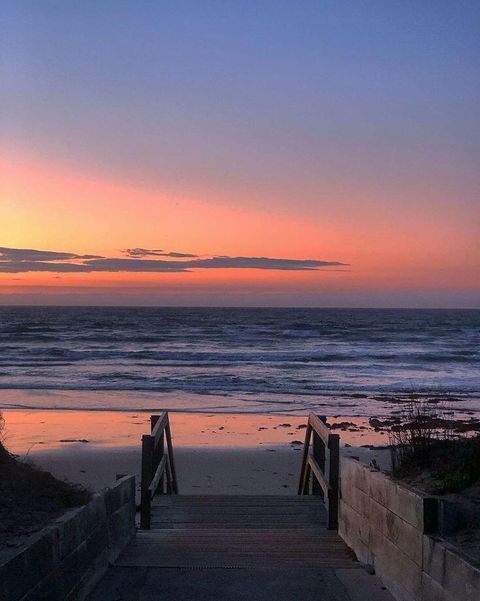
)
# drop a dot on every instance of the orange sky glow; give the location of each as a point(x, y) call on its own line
point(55, 208)
point(301, 154)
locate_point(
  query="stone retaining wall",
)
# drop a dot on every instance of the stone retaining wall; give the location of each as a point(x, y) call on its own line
point(65, 560)
point(389, 526)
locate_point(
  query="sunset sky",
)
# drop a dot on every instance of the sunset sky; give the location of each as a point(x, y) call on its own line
point(310, 153)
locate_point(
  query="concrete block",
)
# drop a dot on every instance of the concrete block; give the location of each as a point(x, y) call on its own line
point(355, 497)
point(35, 561)
point(461, 579)
point(95, 512)
point(73, 567)
point(361, 586)
point(121, 528)
point(432, 591)
point(394, 567)
point(453, 573)
point(349, 522)
point(120, 494)
point(66, 559)
point(353, 472)
point(49, 589)
point(385, 522)
point(399, 499)
point(90, 578)
point(433, 558)
point(354, 529)
point(406, 537)
point(72, 530)
point(97, 541)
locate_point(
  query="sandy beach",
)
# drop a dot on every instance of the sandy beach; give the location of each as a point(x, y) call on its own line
point(214, 453)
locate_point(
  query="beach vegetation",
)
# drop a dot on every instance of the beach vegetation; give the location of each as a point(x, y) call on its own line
point(31, 497)
point(426, 441)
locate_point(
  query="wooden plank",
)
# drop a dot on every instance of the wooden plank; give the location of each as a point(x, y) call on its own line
point(319, 425)
point(237, 561)
point(293, 503)
point(238, 512)
point(147, 473)
point(238, 532)
point(277, 521)
point(241, 521)
point(170, 456)
point(169, 477)
point(244, 500)
point(333, 479)
point(240, 548)
point(303, 469)
point(155, 483)
point(221, 512)
point(306, 483)
point(319, 475)
point(258, 534)
point(318, 452)
point(158, 424)
point(158, 454)
point(181, 501)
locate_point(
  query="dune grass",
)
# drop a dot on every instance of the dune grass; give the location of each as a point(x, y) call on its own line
point(426, 441)
point(31, 497)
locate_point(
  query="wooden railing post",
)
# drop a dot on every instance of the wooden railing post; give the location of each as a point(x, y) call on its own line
point(158, 467)
point(304, 470)
point(333, 478)
point(321, 466)
point(171, 463)
point(147, 475)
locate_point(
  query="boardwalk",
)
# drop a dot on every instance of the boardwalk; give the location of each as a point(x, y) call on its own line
point(244, 548)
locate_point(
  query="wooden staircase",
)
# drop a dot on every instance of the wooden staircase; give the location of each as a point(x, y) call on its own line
point(238, 548)
point(237, 532)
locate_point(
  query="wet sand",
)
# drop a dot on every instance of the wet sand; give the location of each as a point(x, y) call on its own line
point(214, 453)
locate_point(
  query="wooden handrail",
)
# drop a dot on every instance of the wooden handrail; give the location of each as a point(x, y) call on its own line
point(158, 468)
point(171, 464)
point(155, 483)
point(319, 426)
point(158, 424)
point(319, 473)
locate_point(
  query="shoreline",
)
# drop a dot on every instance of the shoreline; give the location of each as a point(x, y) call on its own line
point(347, 404)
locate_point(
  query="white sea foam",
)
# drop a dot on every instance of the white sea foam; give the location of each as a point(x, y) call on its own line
point(279, 357)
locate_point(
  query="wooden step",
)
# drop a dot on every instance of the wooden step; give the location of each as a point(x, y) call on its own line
point(237, 532)
point(237, 512)
point(237, 548)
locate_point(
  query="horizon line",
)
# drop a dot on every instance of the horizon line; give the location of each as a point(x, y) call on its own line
point(104, 306)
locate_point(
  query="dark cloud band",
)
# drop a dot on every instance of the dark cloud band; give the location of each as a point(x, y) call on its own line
point(14, 260)
point(29, 254)
point(138, 253)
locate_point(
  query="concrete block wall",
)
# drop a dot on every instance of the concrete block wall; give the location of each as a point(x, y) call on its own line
point(386, 524)
point(64, 561)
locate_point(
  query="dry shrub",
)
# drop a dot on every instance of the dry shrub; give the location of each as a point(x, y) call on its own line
point(29, 496)
point(426, 440)
point(422, 425)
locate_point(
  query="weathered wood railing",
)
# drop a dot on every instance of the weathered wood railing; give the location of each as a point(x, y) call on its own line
point(158, 467)
point(320, 468)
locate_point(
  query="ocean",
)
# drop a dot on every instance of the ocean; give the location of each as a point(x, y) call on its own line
point(333, 361)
